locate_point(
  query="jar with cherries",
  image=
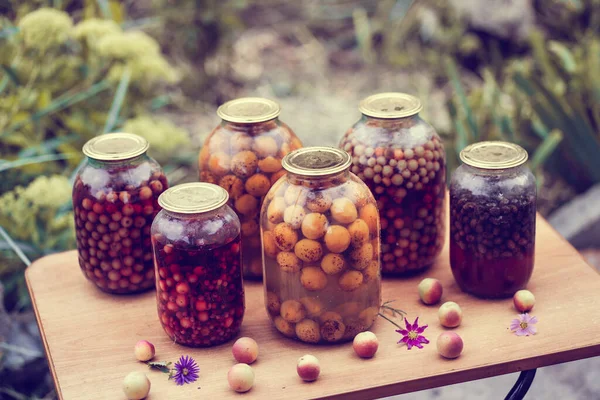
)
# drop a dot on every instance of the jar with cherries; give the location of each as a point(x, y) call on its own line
point(243, 155)
point(320, 237)
point(114, 201)
point(492, 220)
point(197, 252)
point(402, 160)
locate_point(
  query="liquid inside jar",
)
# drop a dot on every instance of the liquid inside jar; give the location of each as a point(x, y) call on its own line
point(492, 232)
point(245, 159)
point(114, 204)
point(321, 251)
point(199, 291)
point(404, 165)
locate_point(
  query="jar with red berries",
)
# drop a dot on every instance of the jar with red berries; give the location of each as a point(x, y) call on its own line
point(320, 237)
point(114, 201)
point(197, 252)
point(402, 160)
point(243, 155)
point(492, 220)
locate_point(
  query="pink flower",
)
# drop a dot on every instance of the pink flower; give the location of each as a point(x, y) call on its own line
point(523, 326)
point(412, 334)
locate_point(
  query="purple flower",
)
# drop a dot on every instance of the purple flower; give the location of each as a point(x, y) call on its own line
point(412, 334)
point(186, 371)
point(523, 325)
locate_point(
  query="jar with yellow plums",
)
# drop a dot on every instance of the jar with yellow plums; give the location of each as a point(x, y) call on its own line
point(320, 240)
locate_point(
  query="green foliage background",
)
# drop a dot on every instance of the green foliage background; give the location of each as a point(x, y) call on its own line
point(544, 95)
point(64, 80)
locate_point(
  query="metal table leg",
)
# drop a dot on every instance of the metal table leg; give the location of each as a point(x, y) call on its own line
point(519, 390)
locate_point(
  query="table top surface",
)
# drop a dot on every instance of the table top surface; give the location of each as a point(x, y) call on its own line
point(89, 335)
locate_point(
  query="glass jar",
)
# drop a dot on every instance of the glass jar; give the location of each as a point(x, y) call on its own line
point(114, 201)
point(197, 251)
point(402, 160)
point(320, 238)
point(243, 155)
point(492, 220)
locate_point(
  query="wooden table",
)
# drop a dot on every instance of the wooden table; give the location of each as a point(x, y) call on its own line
point(89, 336)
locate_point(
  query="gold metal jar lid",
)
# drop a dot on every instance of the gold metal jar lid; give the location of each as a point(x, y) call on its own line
point(115, 146)
point(390, 105)
point(249, 110)
point(193, 198)
point(493, 155)
point(316, 161)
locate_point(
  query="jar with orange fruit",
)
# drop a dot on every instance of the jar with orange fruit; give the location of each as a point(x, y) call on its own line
point(320, 237)
point(243, 155)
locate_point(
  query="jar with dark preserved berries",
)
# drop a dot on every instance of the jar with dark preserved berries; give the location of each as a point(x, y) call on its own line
point(243, 155)
point(402, 160)
point(197, 251)
point(114, 201)
point(492, 220)
point(320, 236)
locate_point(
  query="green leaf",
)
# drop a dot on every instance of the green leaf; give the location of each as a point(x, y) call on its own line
point(11, 74)
point(48, 145)
point(6, 165)
point(539, 128)
point(591, 68)
point(8, 32)
point(117, 103)
point(60, 104)
point(14, 247)
point(452, 72)
point(546, 148)
point(162, 366)
point(160, 101)
point(364, 36)
point(507, 128)
point(25, 247)
point(105, 9)
point(556, 113)
point(4, 83)
point(492, 103)
point(564, 55)
point(461, 136)
point(540, 54)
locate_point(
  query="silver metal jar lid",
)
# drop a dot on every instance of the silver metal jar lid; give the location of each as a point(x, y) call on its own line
point(316, 161)
point(115, 146)
point(193, 198)
point(249, 110)
point(390, 105)
point(493, 155)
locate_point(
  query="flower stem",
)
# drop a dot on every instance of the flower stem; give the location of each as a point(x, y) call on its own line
point(389, 320)
point(394, 310)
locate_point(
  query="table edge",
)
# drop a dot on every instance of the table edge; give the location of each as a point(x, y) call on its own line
point(463, 376)
point(47, 352)
point(539, 217)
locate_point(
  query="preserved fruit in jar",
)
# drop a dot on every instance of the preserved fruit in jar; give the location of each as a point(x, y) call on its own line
point(197, 250)
point(492, 220)
point(114, 202)
point(320, 237)
point(402, 160)
point(243, 155)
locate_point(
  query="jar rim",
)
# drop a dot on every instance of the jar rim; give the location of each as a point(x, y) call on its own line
point(249, 110)
point(316, 161)
point(390, 105)
point(193, 198)
point(493, 155)
point(115, 146)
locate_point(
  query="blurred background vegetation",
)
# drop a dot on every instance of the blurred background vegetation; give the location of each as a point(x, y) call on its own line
point(70, 70)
